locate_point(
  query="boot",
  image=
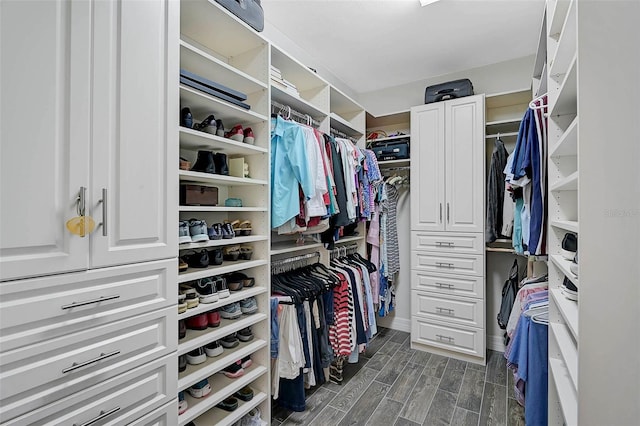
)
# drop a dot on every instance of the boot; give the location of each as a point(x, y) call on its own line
point(221, 165)
point(205, 163)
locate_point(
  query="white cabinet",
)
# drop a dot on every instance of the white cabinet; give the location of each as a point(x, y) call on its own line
point(447, 228)
point(103, 100)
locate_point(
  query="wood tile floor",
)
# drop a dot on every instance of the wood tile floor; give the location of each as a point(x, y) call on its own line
point(395, 385)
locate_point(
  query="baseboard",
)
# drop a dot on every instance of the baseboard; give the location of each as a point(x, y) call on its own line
point(400, 324)
point(496, 343)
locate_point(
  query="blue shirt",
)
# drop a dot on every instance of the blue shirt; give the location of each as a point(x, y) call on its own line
point(289, 167)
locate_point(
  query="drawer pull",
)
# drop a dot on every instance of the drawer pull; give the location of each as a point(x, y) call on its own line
point(102, 356)
point(445, 310)
point(441, 337)
point(445, 244)
point(444, 265)
point(443, 285)
point(90, 302)
point(101, 416)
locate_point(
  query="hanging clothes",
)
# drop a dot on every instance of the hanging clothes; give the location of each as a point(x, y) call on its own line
point(495, 192)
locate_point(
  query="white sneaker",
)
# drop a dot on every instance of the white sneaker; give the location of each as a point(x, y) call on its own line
point(253, 418)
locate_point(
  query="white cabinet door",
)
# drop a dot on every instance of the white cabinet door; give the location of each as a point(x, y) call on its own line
point(464, 170)
point(134, 112)
point(44, 134)
point(427, 170)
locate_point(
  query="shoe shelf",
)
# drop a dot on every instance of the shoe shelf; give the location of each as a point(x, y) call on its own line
point(566, 46)
point(222, 242)
point(222, 209)
point(568, 225)
point(202, 104)
point(566, 348)
point(564, 386)
point(226, 267)
point(194, 373)
point(197, 140)
point(570, 183)
point(221, 388)
point(568, 309)
point(198, 338)
point(565, 102)
point(219, 417)
point(565, 266)
point(211, 178)
point(290, 247)
point(567, 145)
point(235, 296)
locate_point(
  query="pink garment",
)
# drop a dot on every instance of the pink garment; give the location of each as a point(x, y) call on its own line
point(373, 238)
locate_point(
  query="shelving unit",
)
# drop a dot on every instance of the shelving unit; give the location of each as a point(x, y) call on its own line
point(218, 46)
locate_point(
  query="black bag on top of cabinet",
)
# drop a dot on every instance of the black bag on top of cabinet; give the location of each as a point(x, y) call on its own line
point(250, 11)
point(449, 90)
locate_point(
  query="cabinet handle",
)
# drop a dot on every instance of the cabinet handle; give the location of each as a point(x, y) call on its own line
point(102, 356)
point(441, 337)
point(89, 302)
point(445, 311)
point(444, 265)
point(442, 285)
point(447, 212)
point(103, 201)
point(444, 243)
point(101, 416)
point(440, 212)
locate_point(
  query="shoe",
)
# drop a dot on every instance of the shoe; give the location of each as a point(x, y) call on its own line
point(213, 318)
point(186, 119)
point(248, 136)
point(217, 231)
point(223, 290)
point(230, 341)
point(244, 228)
point(206, 289)
point(196, 356)
point(182, 329)
point(569, 246)
point(574, 265)
point(234, 282)
point(182, 363)
point(253, 418)
point(200, 389)
point(228, 404)
point(234, 370)
point(227, 231)
point(198, 230)
point(246, 281)
point(246, 361)
point(197, 259)
point(231, 253)
point(182, 303)
point(183, 232)
point(215, 257)
point(204, 163)
point(213, 349)
point(231, 311)
point(184, 164)
point(245, 335)
point(198, 322)
point(220, 162)
point(207, 125)
point(236, 134)
point(219, 128)
point(249, 305)
point(569, 290)
point(191, 296)
point(211, 231)
point(245, 394)
point(182, 265)
point(182, 403)
point(246, 252)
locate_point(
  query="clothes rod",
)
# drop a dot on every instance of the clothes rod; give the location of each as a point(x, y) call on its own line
point(293, 259)
point(288, 112)
point(338, 134)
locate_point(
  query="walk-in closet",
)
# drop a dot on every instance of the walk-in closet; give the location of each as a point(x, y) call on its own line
point(324, 213)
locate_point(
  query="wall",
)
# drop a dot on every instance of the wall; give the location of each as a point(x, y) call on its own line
point(501, 77)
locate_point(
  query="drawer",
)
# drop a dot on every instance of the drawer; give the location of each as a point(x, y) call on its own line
point(451, 337)
point(448, 243)
point(468, 264)
point(116, 401)
point(38, 309)
point(468, 312)
point(468, 286)
point(38, 374)
point(167, 415)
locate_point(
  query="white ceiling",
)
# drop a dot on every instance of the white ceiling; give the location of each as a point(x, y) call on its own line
point(374, 44)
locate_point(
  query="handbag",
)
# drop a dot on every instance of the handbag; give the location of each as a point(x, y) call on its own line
point(250, 11)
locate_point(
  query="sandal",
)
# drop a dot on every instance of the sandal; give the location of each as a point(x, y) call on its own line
point(244, 228)
point(231, 253)
point(245, 280)
point(246, 252)
point(234, 282)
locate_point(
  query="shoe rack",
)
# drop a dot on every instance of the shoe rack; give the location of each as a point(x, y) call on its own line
point(216, 45)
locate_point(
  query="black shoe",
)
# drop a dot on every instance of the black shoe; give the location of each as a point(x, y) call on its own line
point(245, 394)
point(230, 341)
point(182, 363)
point(215, 257)
point(205, 163)
point(569, 246)
point(198, 259)
point(569, 290)
point(220, 161)
point(219, 128)
point(208, 125)
point(186, 119)
point(228, 404)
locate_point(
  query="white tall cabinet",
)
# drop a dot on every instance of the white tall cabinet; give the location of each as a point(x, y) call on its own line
point(447, 224)
point(87, 324)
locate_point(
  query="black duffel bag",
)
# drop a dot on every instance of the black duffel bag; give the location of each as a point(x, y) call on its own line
point(250, 11)
point(449, 90)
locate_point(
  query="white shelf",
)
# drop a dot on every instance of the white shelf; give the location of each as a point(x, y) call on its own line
point(235, 296)
point(567, 395)
point(215, 179)
point(510, 98)
point(570, 183)
point(194, 373)
point(345, 240)
point(222, 209)
point(394, 163)
point(225, 268)
point(342, 104)
point(297, 103)
point(222, 242)
point(198, 338)
point(568, 143)
point(557, 16)
point(566, 48)
point(568, 225)
point(344, 126)
point(388, 139)
point(197, 140)
point(565, 267)
point(568, 309)
point(296, 72)
point(287, 247)
point(217, 416)
point(221, 388)
point(202, 104)
point(503, 122)
point(568, 350)
point(566, 101)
